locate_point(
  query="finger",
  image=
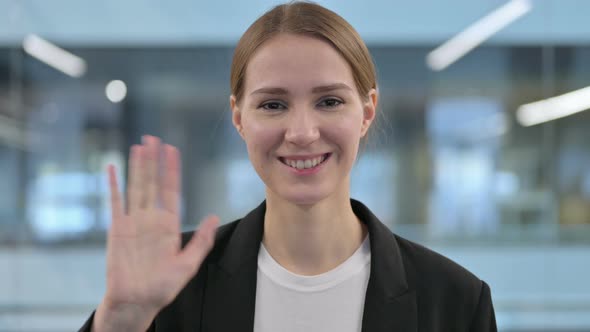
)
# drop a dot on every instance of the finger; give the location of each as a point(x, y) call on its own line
point(117, 210)
point(200, 244)
point(134, 189)
point(170, 180)
point(150, 199)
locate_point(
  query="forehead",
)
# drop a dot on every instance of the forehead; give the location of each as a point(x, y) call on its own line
point(296, 62)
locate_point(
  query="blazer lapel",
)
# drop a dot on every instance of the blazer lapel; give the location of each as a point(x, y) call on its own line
point(230, 292)
point(390, 303)
point(393, 315)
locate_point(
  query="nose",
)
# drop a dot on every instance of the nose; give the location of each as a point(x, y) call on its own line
point(302, 128)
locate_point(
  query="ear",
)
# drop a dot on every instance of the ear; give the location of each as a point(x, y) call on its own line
point(236, 115)
point(369, 111)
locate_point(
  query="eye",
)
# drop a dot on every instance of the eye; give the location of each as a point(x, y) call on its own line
point(272, 106)
point(330, 103)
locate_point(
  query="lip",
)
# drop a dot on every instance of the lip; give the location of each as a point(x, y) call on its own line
point(303, 157)
point(307, 171)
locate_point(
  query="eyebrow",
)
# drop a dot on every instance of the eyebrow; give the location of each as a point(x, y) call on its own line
point(317, 89)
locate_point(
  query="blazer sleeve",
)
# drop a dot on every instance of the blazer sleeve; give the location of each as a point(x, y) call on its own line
point(484, 319)
point(87, 327)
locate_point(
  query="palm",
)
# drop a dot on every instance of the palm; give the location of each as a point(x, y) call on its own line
point(146, 266)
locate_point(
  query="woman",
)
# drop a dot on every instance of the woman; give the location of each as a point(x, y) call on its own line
point(309, 258)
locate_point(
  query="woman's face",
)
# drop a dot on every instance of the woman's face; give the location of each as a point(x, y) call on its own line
point(302, 118)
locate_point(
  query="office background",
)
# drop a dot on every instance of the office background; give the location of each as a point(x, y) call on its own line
point(451, 163)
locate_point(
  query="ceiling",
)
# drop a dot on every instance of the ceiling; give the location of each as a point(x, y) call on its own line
point(193, 22)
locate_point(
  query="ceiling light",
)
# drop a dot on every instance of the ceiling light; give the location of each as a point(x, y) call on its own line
point(116, 91)
point(554, 108)
point(477, 33)
point(54, 56)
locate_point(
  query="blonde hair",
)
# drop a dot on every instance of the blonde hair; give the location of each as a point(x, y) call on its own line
point(309, 19)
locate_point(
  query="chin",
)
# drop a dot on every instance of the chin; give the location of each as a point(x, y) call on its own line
point(304, 198)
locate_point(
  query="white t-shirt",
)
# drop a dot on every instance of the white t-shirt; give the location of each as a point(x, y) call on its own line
point(331, 301)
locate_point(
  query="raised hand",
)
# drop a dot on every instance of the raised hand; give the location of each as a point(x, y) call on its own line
point(146, 267)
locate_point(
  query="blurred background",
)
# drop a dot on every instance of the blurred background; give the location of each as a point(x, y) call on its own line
point(481, 151)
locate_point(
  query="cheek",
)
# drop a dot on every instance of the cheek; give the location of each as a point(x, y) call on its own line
point(345, 130)
point(260, 137)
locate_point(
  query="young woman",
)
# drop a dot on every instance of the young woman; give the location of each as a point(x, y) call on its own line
point(309, 258)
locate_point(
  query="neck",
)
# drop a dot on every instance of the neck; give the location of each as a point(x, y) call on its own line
point(312, 239)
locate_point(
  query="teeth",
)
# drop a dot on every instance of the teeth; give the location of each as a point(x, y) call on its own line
point(303, 164)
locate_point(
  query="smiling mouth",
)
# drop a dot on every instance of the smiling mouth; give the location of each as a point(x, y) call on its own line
point(305, 164)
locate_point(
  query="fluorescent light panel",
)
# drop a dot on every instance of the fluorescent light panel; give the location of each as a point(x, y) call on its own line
point(477, 33)
point(54, 56)
point(554, 108)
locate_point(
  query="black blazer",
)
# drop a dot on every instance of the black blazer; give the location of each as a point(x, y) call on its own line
point(410, 287)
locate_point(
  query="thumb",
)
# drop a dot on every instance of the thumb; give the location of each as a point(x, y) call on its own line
point(200, 244)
